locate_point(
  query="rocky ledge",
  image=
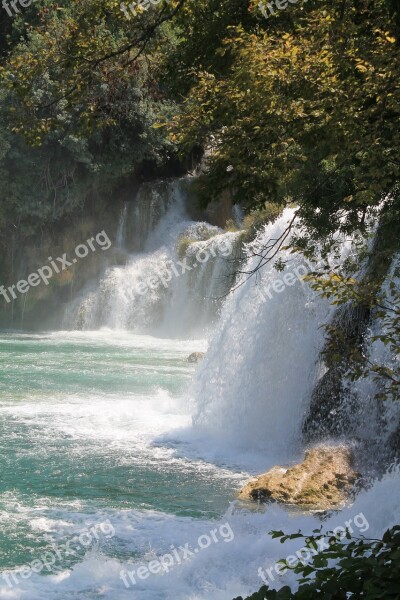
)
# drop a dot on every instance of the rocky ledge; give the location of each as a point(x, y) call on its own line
point(324, 480)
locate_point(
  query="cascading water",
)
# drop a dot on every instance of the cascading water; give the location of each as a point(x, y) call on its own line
point(254, 384)
point(347, 410)
point(161, 289)
point(375, 426)
point(121, 231)
point(253, 389)
point(106, 416)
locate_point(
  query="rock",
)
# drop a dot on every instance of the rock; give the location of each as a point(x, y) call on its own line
point(195, 357)
point(324, 480)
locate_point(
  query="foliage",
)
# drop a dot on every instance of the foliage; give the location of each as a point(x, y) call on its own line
point(356, 569)
point(81, 67)
point(72, 128)
point(202, 27)
point(365, 283)
point(306, 108)
point(301, 106)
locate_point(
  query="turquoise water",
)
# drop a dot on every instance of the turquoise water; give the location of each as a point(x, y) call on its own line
point(95, 430)
point(83, 420)
point(96, 436)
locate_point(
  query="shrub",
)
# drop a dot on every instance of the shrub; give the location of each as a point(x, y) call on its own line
point(362, 569)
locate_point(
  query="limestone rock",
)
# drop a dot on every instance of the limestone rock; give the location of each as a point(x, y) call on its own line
point(324, 480)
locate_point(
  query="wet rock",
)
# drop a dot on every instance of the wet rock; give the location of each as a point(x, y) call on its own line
point(324, 480)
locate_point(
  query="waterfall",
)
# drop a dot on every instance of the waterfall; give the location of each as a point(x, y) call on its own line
point(254, 387)
point(255, 383)
point(121, 231)
point(176, 274)
point(159, 462)
point(375, 426)
point(343, 409)
point(151, 204)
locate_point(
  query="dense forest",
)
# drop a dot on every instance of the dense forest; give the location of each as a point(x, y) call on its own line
point(301, 105)
point(294, 106)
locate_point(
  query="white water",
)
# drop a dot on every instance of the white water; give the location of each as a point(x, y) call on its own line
point(154, 293)
point(254, 386)
point(375, 423)
point(220, 572)
point(121, 231)
point(247, 400)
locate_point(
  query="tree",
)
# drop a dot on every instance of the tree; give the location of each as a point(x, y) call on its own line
point(306, 110)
